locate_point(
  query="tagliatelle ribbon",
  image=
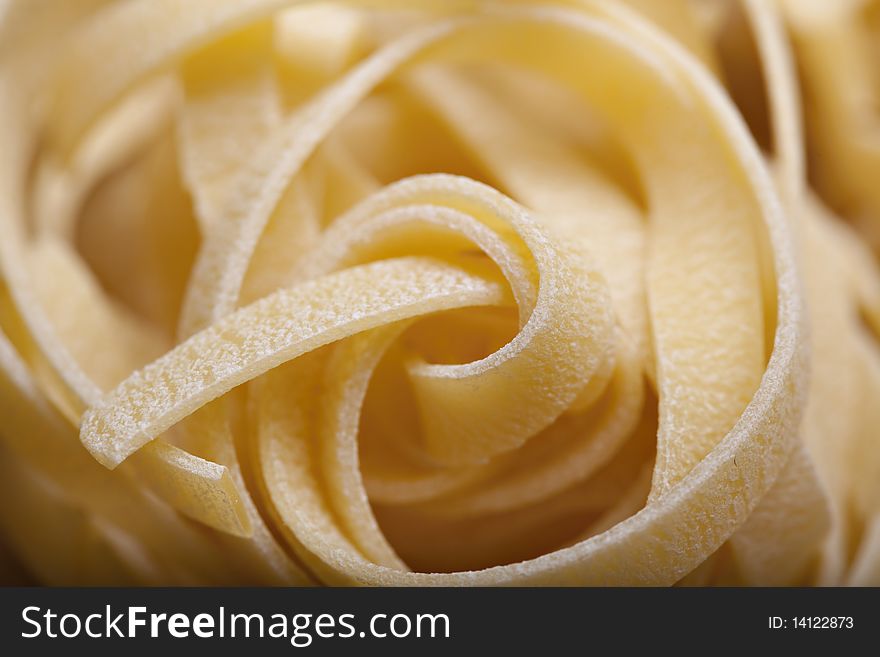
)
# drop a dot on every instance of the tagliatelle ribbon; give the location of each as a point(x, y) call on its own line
point(472, 293)
point(836, 48)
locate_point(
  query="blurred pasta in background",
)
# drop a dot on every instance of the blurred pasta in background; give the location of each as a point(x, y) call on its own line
point(440, 292)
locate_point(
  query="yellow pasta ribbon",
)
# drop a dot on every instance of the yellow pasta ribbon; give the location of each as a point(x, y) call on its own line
point(534, 292)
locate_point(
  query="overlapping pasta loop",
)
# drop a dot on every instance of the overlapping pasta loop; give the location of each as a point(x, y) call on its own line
point(430, 293)
point(836, 50)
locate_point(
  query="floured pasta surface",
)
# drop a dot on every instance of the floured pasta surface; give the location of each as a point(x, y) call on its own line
point(440, 293)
